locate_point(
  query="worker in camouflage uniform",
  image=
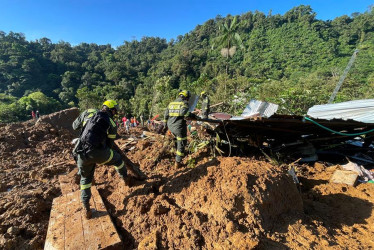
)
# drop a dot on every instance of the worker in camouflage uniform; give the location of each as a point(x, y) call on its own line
point(205, 106)
point(82, 119)
point(175, 115)
point(95, 142)
point(79, 124)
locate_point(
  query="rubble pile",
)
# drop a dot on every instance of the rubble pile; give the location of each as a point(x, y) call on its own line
point(31, 157)
point(214, 203)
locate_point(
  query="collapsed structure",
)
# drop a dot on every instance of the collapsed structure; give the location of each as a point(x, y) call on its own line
point(298, 136)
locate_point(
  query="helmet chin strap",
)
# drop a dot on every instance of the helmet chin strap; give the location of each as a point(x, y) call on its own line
point(109, 111)
point(114, 112)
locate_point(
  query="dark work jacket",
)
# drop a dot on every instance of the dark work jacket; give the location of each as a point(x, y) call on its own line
point(175, 114)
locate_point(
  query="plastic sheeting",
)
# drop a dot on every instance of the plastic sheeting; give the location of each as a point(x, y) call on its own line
point(364, 174)
point(359, 110)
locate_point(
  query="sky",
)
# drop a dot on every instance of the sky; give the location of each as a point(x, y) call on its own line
point(115, 21)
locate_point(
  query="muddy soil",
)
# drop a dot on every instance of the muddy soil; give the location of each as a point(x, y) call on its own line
point(208, 203)
point(31, 158)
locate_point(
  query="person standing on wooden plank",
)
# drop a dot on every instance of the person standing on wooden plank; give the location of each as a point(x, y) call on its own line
point(95, 147)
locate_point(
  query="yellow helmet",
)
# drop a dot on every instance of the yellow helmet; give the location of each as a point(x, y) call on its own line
point(111, 104)
point(203, 93)
point(185, 93)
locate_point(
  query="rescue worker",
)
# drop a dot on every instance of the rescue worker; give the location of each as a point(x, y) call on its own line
point(174, 119)
point(95, 142)
point(205, 106)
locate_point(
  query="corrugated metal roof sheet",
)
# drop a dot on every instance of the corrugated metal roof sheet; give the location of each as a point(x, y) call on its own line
point(265, 109)
point(359, 110)
point(192, 102)
point(262, 109)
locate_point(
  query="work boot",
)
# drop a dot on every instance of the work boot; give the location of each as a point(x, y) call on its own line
point(177, 165)
point(87, 210)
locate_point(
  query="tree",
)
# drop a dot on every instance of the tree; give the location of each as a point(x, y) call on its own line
point(41, 102)
point(228, 39)
point(88, 99)
point(293, 55)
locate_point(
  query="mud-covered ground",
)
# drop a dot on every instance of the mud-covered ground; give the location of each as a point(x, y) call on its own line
point(31, 158)
point(220, 203)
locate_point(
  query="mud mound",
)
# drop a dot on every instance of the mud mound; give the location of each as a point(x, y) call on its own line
point(31, 157)
point(62, 119)
point(148, 154)
point(248, 192)
point(225, 201)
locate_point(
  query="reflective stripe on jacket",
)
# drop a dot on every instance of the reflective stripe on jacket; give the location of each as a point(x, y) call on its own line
point(175, 114)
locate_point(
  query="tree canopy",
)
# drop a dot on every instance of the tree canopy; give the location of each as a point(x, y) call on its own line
point(293, 59)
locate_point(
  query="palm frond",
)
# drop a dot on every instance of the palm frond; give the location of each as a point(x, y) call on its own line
point(233, 23)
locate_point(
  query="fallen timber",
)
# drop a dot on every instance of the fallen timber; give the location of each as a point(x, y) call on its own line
point(286, 127)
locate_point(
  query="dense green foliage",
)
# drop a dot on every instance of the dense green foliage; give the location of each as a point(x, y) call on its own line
point(293, 59)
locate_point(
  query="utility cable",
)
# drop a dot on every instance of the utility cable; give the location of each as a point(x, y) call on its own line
point(337, 132)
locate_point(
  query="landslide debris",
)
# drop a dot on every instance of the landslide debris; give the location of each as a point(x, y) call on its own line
point(31, 157)
point(230, 201)
point(214, 203)
point(234, 202)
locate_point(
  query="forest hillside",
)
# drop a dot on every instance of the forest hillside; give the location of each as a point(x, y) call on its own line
point(294, 60)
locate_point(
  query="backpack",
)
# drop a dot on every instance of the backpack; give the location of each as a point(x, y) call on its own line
point(94, 134)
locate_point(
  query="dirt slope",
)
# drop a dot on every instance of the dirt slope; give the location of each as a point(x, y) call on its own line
point(31, 158)
point(222, 203)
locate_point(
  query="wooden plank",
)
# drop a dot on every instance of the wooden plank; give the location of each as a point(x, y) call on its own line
point(93, 235)
point(74, 234)
point(151, 134)
point(112, 239)
point(56, 228)
point(344, 177)
point(66, 185)
point(69, 229)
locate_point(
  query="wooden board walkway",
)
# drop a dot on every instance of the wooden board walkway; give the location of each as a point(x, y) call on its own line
point(69, 229)
point(66, 185)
